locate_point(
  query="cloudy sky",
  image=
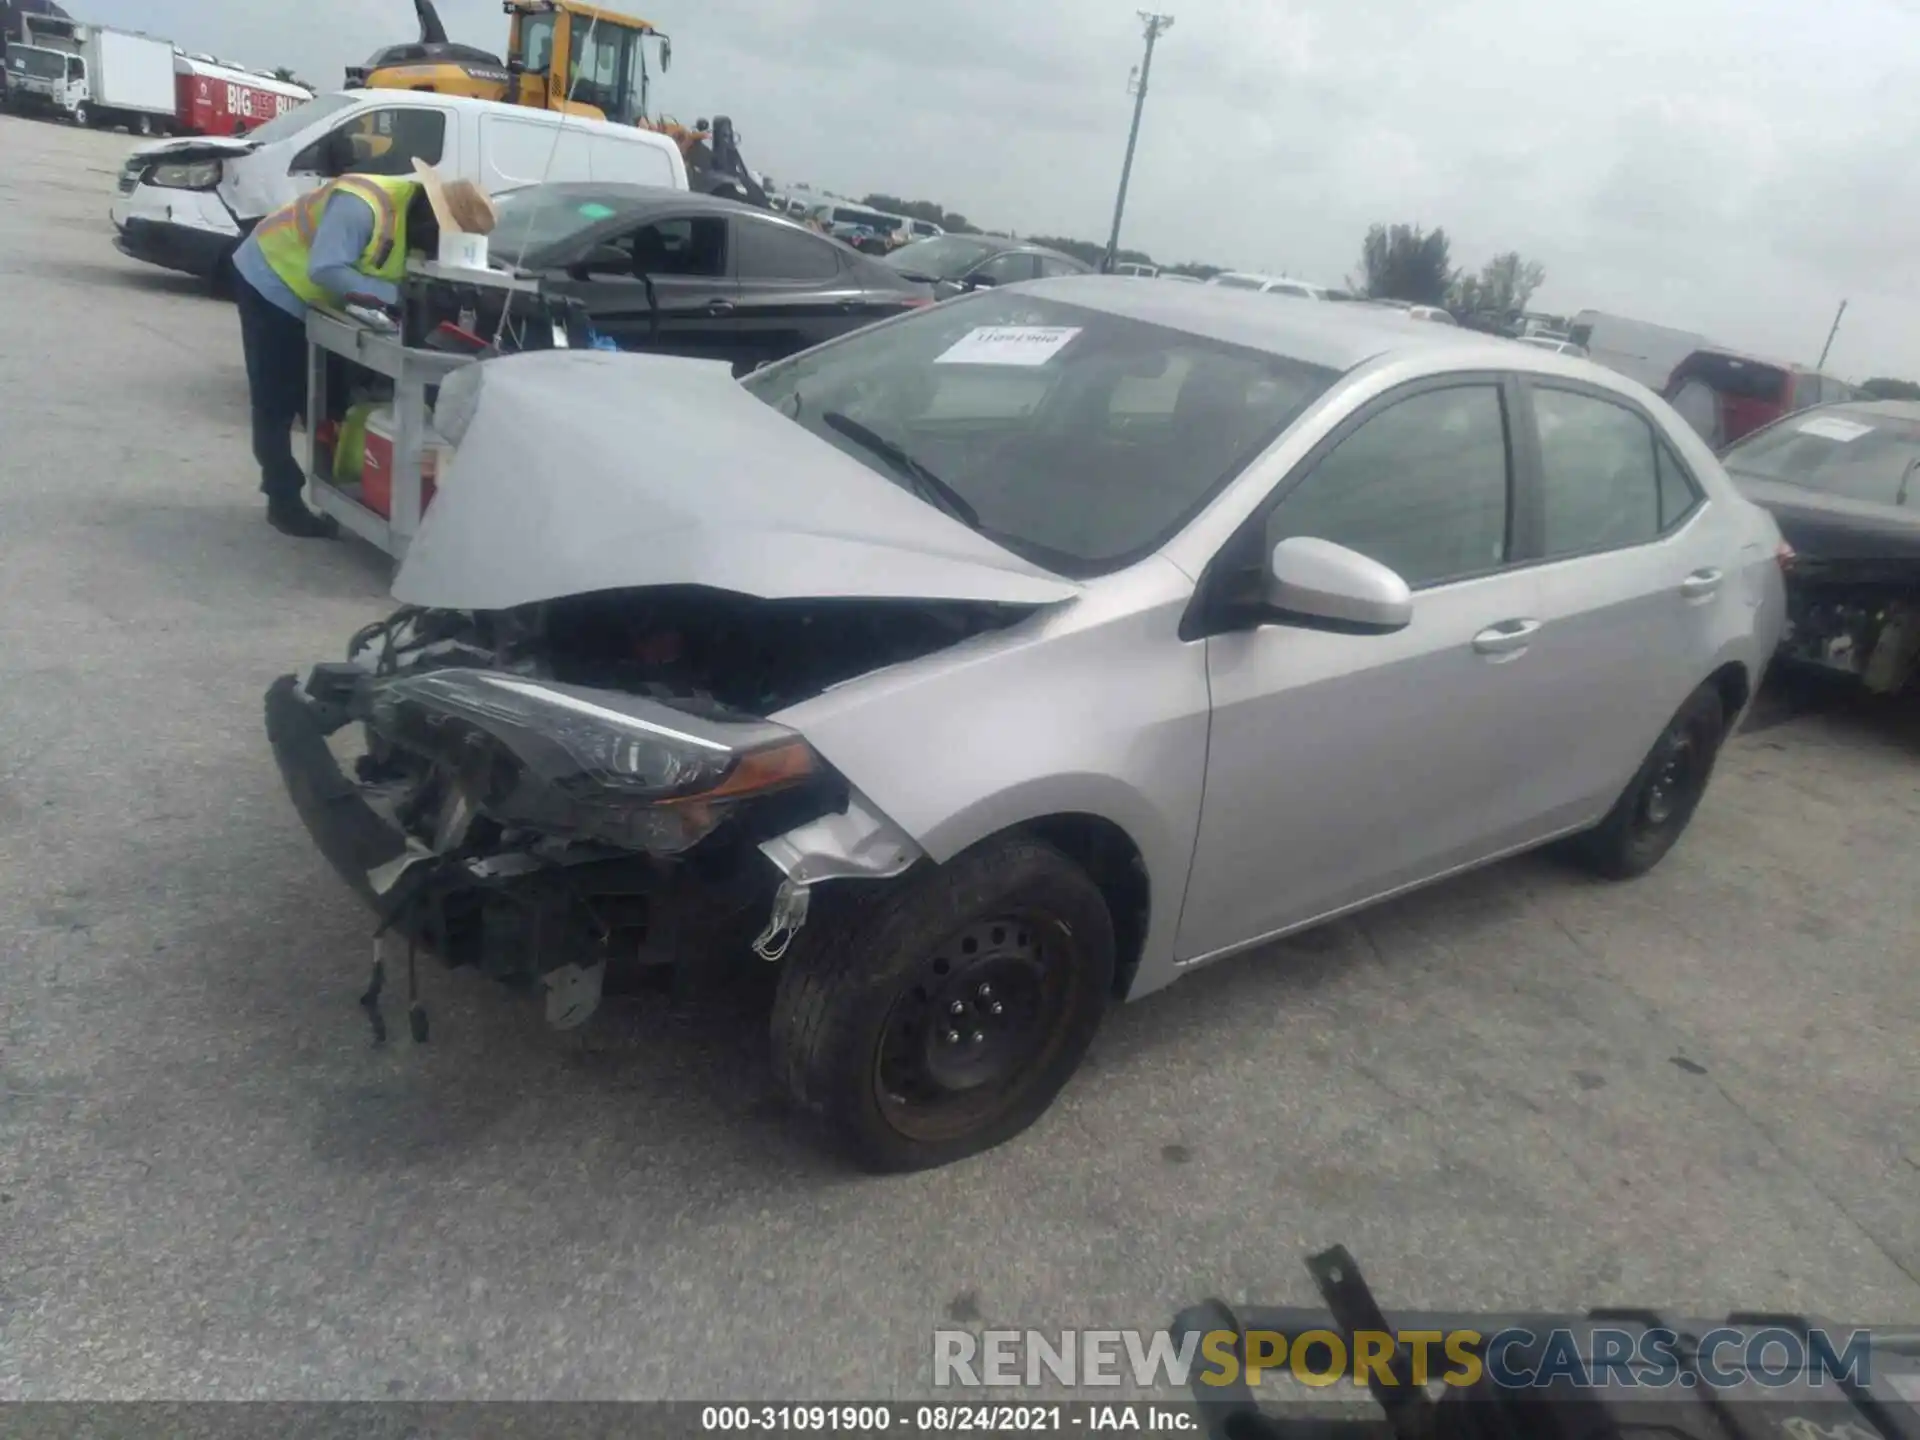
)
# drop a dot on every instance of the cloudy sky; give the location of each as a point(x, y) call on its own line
point(1736, 167)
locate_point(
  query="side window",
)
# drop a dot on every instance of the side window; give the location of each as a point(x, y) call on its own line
point(1006, 269)
point(779, 252)
point(689, 246)
point(377, 142)
point(1599, 487)
point(1421, 487)
point(1050, 266)
point(1677, 493)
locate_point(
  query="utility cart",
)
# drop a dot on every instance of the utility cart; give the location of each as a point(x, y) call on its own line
point(413, 370)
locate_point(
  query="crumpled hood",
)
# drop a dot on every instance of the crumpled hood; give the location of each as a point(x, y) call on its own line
point(577, 471)
point(193, 147)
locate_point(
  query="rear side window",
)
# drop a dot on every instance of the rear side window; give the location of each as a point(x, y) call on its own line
point(1678, 494)
point(1600, 483)
point(775, 252)
point(1422, 487)
point(1051, 265)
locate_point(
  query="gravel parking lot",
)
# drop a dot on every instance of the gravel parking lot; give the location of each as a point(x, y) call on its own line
point(1523, 1089)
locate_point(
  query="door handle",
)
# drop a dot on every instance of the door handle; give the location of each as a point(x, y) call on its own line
point(1700, 584)
point(1509, 637)
point(719, 307)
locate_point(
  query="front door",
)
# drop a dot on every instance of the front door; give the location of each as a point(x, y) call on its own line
point(1342, 767)
point(690, 309)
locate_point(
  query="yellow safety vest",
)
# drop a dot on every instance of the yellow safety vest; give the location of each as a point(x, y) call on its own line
point(286, 236)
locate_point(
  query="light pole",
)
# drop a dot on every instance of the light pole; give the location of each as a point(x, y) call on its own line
point(1157, 25)
point(1821, 363)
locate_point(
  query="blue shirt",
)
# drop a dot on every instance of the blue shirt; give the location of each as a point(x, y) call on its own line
point(345, 230)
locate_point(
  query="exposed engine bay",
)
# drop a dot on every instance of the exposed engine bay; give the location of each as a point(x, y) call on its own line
point(1858, 618)
point(549, 791)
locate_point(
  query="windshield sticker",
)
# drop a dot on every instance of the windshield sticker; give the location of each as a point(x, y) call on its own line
point(1832, 427)
point(1008, 345)
point(593, 210)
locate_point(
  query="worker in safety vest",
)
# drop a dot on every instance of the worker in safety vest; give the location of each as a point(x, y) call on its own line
point(345, 243)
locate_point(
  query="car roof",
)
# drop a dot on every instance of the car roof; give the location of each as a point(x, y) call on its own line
point(1338, 337)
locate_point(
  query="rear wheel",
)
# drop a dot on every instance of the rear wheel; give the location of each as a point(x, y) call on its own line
point(143, 125)
point(937, 1018)
point(1659, 802)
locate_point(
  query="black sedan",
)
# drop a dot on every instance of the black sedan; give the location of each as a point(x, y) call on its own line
point(695, 275)
point(1843, 484)
point(952, 264)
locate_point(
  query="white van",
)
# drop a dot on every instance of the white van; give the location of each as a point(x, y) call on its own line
point(186, 204)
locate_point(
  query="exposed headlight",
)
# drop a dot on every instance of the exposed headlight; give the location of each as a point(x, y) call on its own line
point(588, 764)
point(185, 174)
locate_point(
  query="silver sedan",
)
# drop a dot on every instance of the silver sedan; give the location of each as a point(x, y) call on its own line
point(1019, 656)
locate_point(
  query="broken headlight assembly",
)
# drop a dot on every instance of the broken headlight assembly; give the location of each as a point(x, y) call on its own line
point(588, 765)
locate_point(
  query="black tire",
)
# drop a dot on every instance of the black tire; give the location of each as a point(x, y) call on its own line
point(82, 116)
point(143, 125)
point(1658, 803)
point(854, 1035)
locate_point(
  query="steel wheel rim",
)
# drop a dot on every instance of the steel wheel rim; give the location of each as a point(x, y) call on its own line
point(981, 1016)
point(1674, 777)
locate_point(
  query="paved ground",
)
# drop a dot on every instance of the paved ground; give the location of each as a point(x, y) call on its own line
point(1524, 1089)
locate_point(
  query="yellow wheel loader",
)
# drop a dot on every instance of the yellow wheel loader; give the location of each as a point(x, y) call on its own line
point(570, 57)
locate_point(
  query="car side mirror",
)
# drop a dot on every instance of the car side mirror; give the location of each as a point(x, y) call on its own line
point(1327, 586)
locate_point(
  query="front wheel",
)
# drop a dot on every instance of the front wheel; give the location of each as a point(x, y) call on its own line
point(143, 126)
point(1660, 800)
point(83, 117)
point(940, 1017)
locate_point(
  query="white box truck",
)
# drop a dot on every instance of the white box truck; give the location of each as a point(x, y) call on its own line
point(92, 74)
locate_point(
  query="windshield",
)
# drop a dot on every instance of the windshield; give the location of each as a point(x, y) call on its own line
point(1842, 450)
point(304, 113)
point(1080, 440)
point(945, 257)
point(539, 217)
point(41, 64)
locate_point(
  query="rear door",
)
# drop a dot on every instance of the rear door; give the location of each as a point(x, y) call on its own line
point(1635, 570)
point(795, 289)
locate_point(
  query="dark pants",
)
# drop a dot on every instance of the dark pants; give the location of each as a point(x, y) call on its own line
point(276, 349)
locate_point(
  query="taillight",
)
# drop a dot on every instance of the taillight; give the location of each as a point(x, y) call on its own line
point(918, 302)
point(1784, 557)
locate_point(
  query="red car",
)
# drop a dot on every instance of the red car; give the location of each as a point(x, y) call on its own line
point(1724, 395)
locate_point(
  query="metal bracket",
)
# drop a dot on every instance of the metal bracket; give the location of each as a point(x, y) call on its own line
point(790, 904)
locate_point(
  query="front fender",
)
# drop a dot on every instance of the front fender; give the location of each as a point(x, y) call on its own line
point(1095, 707)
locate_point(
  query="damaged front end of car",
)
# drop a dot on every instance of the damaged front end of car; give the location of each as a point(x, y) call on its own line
point(559, 790)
